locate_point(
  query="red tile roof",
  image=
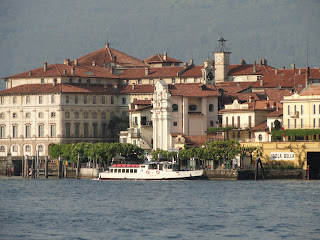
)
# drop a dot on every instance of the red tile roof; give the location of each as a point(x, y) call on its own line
point(136, 89)
point(312, 89)
point(154, 72)
point(105, 56)
point(193, 90)
point(247, 69)
point(264, 105)
point(63, 88)
point(261, 127)
point(277, 113)
point(234, 87)
point(63, 70)
point(142, 102)
point(277, 94)
point(158, 58)
point(195, 140)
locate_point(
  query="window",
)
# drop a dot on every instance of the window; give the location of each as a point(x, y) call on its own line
point(76, 99)
point(14, 131)
point(14, 115)
point(27, 148)
point(2, 149)
point(14, 100)
point(301, 123)
point(175, 108)
point(40, 148)
point(124, 101)
point(28, 131)
point(295, 109)
point(295, 123)
point(79, 80)
point(14, 148)
point(173, 80)
point(52, 99)
point(211, 123)
point(249, 121)
point(104, 130)
point(150, 81)
point(143, 120)
point(88, 81)
point(192, 107)
point(85, 115)
point(28, 115)
point(67, 98)
point(86, 130)
point(95, 130)
point(185, 80)
point(260, 137)
point(40, 114)
point(2, 131)
point(94, 99)
point(314, 123)
point(112, 115)
point(40, 99)
point(103, 115)
point(288, 123)
point(40, 130)
point(175, 124)
point(67, 114)
point(27, 99)
point(68, 130)
point(42, 80)
point(211, 108)
point(289, 110)
point(1, 100)
point(94, 115)
point(76, 115)
point(112, 100)
point(52, 130)
point(70, 80)
point(301, 112)
point(2, 115)
point(53, 114)
point(77, 130)
point(85, 99)
point(103, 99)
point(314, 109)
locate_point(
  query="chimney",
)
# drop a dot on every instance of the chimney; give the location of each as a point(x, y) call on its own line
point(254, 63)
point(191, 61)
point(146, 71)
point(276, 71)
point(260, 62)
point(185, 64)
point(250, 99)
point(293, 66)
point(73, 71)
point(54, 82)
point(283, 67)
point(111, 70)
point(93, 63)
point(274, 105)
point(114, 59)
point(64, 71)
point(254, 70)
point(165, 56)
point(45, 65)
point(299, 71)
point(30, 73)
point(76, 62)
point(242, 61)
point(264, 61)
point(133, 86)
point(261, 82)
point(66, 61)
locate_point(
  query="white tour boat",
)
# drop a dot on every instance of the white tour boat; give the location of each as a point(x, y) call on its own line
point(148, 171)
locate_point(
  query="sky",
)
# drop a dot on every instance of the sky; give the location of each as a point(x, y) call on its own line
point(36, 31)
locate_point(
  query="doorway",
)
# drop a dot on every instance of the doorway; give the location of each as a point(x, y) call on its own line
point(313, 160)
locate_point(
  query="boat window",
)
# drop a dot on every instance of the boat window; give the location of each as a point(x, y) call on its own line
point(131, 170)
point(123, 170)
point(169, 166)
point(111, 170)
point(160, 166)
point(127, 170)
point(115, 170)
point(153, 166)
point(135, 170)
point(143, 166)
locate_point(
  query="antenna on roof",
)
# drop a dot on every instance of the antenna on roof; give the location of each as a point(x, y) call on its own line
point(293, 55)
point(107, 43)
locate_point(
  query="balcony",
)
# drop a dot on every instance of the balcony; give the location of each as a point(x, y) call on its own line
point(134, 132)
point(146, 123)
point(294, 114)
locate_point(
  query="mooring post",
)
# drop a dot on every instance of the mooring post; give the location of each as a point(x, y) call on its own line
point(257, 171)
point(59, 167)
point(78, 166)
point(65, 171)
point(26, 167)
point(46, 167)
point(33, 167)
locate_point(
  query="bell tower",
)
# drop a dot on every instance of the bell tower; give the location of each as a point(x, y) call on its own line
point(222, 62)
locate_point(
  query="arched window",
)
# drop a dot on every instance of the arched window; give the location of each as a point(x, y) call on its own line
point(76, 115)
point(40, 148)
point(94, 115)
point(211, 108)
point(85, 115)
point(260, 137)
point(14, 148)
point(175, 108)
point(2, 149)
point(27, 148)
point(67, 115)
point(103, 115)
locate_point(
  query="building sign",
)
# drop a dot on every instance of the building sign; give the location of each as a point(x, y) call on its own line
point(282, 156)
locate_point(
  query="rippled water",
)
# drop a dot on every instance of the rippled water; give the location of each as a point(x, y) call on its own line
point(87, 209)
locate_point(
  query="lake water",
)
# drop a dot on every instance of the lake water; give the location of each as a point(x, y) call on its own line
point(87, 209)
